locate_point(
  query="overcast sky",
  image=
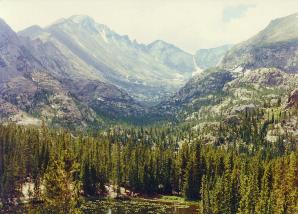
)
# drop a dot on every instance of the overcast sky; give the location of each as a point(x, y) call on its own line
point(189, 24)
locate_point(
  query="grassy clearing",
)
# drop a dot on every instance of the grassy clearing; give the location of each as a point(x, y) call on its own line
point(175, 199)
point(172, 198)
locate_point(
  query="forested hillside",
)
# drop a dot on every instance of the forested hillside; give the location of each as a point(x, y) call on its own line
point(88, 115)
point(241, 173)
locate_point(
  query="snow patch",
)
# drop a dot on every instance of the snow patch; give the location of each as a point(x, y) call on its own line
point(104, 36)
point(197, 70)
point(100, 99)
point(219, 61)
point(239, 69)
point(27, 190)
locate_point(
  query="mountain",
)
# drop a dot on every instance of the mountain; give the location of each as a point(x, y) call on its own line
point(172, 56)
point(38, 81)
point(77, 71)
point(275, 46)
point(147, 73)
point(260, 73)
point(207, 58)
point(198, 91)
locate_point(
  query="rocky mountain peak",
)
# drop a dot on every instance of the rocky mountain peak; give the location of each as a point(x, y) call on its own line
point(79, 19)
point(160, 44)
point(82, 21)
point(275, 46)
point(7, 35)
point(278, 30)
point(32, 30)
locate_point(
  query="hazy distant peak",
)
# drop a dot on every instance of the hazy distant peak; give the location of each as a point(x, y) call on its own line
point(207, 58)
point(31, 31)
point(35, 28)
point(85, 22)
point(160, 44)
point(278, 30)
point(75, 19)
point(226, 46)
point(81, 19)
point(59, 21)
point(291, 16)
point(280, 38)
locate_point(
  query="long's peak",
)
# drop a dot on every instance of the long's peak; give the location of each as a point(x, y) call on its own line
point(74, 18)
point(80, 18)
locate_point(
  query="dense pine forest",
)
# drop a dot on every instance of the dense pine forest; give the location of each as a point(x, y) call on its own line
point(173, 114)
point(241, 173)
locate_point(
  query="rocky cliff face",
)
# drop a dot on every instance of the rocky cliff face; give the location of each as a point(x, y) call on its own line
point(293, 99)
point(38, 81)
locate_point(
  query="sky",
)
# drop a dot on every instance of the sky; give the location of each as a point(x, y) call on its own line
point(189, 24)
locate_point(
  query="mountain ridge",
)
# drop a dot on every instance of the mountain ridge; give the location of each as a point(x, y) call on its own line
point(147, 72)
point(101, 69)
point(40, 82)
point(258, 80)
point(114, 57)
point(274, 46)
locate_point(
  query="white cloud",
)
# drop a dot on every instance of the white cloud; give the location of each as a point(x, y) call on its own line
point(235, 11)
point(190, 24)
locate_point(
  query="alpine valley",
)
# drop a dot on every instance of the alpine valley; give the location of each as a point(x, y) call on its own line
point(215, 130)
point(78, 73)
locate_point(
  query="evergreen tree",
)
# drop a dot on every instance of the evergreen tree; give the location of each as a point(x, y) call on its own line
point(61, 191)
point(264, 204)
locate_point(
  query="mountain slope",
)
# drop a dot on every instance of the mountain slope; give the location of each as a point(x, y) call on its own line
point(275, 46)
point(38, 81)
point(114, 58)
point(172, 56)
point(207, 58)
point(244, 81)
